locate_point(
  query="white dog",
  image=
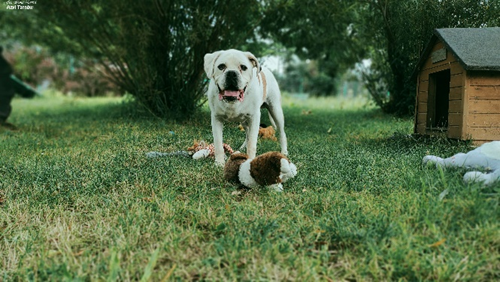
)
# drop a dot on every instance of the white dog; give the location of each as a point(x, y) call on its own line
point(238, 89)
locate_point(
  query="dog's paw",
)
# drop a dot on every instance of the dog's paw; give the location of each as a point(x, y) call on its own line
point(219, 163)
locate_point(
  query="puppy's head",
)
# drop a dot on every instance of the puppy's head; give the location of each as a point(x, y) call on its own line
point(232, 71)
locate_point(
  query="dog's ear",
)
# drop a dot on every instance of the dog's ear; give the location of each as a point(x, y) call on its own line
point(254, 61)
point(209, 64)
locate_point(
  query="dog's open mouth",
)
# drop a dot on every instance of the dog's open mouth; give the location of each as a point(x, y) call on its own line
point(232, 95)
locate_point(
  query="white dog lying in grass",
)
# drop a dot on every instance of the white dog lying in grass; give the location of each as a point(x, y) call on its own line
point(486, 157)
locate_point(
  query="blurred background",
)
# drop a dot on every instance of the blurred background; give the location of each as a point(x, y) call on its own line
point(153, 50)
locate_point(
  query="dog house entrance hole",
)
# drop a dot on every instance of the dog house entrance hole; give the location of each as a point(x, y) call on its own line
point(438, 100)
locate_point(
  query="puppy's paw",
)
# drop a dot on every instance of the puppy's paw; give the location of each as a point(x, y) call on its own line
point(432, 160)
point(477, 176)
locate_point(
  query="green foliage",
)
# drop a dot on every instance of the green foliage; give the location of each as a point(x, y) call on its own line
point(305, 77)
point(391, 33)
point(153, 50)
point(80, 201)
point(317, 30)
point(25, 26)
point(39, 67)
point(396, 32)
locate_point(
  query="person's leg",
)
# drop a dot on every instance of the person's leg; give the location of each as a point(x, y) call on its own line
point(6, 95)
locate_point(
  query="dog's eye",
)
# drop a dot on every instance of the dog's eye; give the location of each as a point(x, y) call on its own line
point(221, 67)
point(243, 67)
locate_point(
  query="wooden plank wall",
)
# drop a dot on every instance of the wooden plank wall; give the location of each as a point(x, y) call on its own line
point(457, 80)
point(483, 106)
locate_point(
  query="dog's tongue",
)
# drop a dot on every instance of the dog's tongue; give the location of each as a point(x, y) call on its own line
point(238, 95)
point(228, 93)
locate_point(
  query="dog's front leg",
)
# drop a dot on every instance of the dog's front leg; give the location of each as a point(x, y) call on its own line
point(217, 127)
point(244, 145)
point(253, 135)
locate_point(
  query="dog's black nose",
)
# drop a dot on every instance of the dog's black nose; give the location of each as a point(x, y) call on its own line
point(231, 81)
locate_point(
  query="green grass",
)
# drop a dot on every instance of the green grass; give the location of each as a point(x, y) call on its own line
point(80, 201)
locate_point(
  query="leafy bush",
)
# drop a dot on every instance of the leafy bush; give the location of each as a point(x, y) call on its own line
point(306, 77)
point(396, 32)
point(154, 49)
point(36, 66)
point(391, 33)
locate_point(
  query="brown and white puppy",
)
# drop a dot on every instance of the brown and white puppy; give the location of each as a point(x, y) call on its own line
point(270, 169)
point(238, 89)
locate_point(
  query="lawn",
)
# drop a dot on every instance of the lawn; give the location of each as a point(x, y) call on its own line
point(79, 200)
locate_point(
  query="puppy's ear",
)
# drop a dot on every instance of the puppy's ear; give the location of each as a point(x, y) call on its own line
point(238, 156)
point(254, 61)
point(209, 64)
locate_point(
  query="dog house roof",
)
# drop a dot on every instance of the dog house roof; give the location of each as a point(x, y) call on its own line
point(474, 48)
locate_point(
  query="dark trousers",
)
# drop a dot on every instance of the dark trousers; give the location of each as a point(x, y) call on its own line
point(6, 94)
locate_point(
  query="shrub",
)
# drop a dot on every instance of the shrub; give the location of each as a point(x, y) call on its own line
point(36, 66)
point(154, 49)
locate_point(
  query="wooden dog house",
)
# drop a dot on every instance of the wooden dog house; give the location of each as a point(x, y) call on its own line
point(458, 85)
